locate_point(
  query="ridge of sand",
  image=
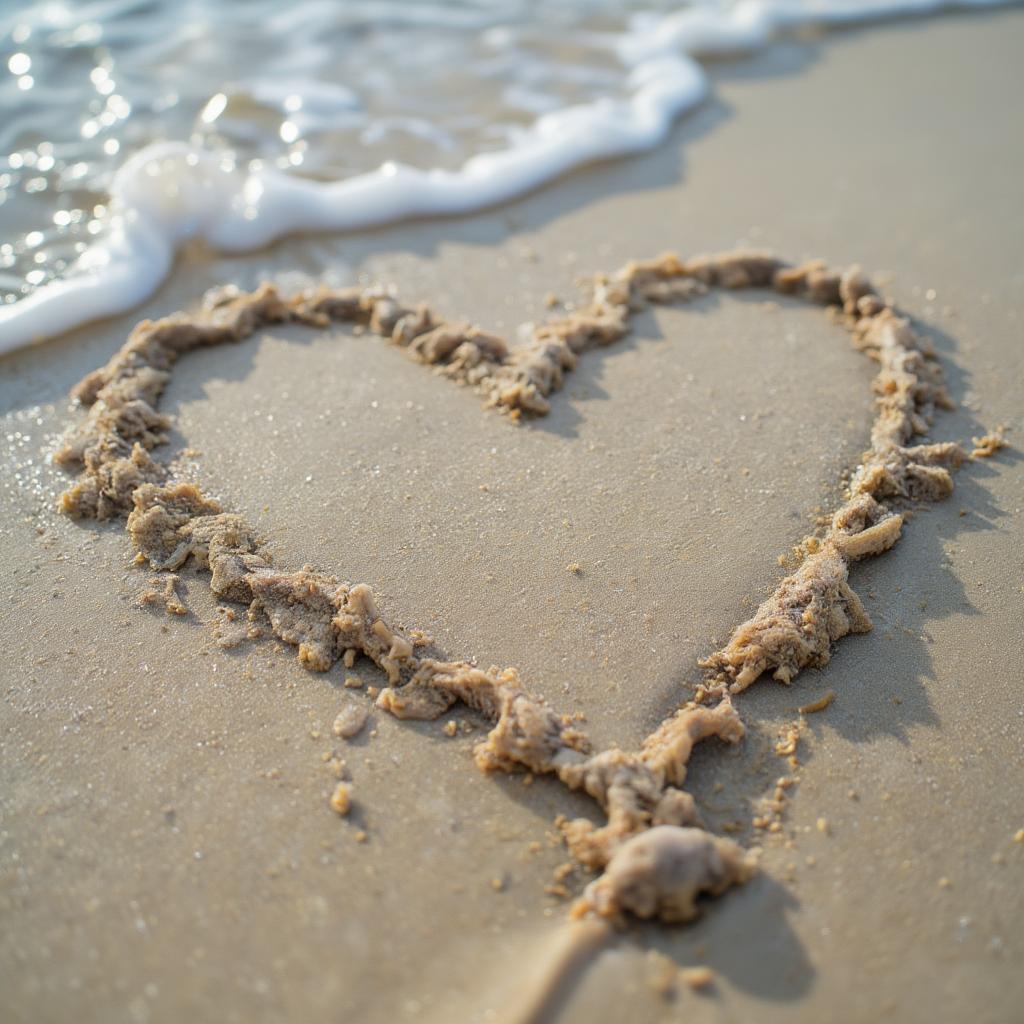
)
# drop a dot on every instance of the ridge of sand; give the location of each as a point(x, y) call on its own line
point(658, 873)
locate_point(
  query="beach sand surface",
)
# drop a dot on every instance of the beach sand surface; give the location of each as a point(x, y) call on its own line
point(167, 851)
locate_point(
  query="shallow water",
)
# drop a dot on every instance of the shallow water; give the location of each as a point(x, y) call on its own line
point(323, 89)
point(134, 125)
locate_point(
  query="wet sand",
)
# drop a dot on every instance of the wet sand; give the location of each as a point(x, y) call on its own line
point(169, 849)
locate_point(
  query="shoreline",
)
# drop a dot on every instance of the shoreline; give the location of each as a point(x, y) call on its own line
point(169, 193)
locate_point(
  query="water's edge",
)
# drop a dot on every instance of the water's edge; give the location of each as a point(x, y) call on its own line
point(171, 192)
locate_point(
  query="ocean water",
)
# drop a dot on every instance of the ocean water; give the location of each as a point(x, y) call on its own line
point(131, 126)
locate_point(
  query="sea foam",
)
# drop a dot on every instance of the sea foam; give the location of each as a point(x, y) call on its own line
point(170, 192)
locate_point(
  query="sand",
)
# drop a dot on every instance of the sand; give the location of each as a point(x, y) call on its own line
point(169, 848)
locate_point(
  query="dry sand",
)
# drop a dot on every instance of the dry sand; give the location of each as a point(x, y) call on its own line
point(167, 846)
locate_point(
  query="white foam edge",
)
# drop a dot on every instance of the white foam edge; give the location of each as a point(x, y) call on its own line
point(171, 192)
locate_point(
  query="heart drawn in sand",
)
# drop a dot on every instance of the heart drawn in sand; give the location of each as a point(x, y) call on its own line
point(655, 856)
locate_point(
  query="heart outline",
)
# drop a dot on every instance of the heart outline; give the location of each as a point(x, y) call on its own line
point(656, 861)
